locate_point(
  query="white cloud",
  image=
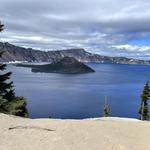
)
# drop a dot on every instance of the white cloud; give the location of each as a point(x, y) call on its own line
point(133, 51)
point(133, 48)
point(95, 25)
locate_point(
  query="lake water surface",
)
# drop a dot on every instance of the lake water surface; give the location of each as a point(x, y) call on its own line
point(82, 96)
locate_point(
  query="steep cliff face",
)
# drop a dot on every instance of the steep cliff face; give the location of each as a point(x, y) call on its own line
point(15, 53)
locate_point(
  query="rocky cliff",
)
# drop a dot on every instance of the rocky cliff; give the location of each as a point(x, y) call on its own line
point(16, 53)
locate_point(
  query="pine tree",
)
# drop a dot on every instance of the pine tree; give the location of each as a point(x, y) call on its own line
point(143, 111)
point(6, 88)
point(106, 110)
point(9, 103)
point(1, 27)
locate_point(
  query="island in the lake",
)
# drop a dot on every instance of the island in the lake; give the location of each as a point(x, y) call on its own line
point(67, 65)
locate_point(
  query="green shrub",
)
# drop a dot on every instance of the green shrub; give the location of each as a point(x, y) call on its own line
point(17, 107)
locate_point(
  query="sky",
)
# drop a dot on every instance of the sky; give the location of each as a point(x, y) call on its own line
point(106, 27)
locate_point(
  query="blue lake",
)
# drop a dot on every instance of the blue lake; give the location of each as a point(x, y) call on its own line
point(82, 96)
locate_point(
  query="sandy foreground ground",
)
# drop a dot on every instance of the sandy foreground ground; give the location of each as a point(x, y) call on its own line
point(90, 134)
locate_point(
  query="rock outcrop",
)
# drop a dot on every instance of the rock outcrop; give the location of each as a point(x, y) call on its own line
point(90, 134)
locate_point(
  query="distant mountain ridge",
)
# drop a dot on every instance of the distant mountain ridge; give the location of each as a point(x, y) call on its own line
point(16, 53)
